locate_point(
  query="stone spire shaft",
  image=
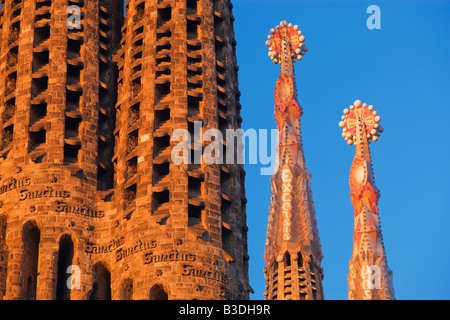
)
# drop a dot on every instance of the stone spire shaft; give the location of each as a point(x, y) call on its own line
point(293, 252)
point(370, 277)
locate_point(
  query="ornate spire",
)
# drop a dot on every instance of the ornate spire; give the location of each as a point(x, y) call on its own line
point(370, 277)
point(293, 252)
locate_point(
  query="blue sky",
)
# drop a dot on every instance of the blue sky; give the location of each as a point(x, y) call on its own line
point(403, 69)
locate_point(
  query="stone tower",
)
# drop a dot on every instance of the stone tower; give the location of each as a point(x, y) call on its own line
point(91, 204)
point(293, 252)
point(369, 277)
point(177, 71)
point(57, 96)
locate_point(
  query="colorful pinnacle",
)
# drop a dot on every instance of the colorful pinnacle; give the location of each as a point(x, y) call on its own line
point(360, 112)
point(284, 32)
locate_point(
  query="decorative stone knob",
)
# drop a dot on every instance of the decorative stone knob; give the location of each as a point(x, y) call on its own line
point(359, 114)
point(292, 38)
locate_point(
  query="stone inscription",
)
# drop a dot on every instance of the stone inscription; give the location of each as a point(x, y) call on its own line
point(286, 199)
point(47, 192)
point(151, 258)
point(82, 210)
point(173, 255)
point(109, 247)
point(191, 271)
point(14, 184)
point(137, 247)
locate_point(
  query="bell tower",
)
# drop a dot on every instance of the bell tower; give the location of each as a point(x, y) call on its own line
point(89, 191)
point(178, 73)
point(293, 252)
point(57, 96)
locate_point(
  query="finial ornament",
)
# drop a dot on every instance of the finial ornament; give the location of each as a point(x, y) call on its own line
point(285, 47)
point(360, 116)
point(280, 36)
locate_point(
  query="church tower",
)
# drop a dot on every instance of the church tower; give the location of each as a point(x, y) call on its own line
point(91, 204)
point(178, 73)
point(293, 252)
point(57, 96)
point(370, 277)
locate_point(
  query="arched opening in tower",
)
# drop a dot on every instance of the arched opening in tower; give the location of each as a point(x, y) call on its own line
point(126, 289)
point(102, 283)
point(158, 292)
point(31, 236)
point(66, 252)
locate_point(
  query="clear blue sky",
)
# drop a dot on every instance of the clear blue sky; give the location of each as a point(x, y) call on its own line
point(404, 71)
